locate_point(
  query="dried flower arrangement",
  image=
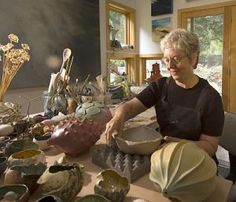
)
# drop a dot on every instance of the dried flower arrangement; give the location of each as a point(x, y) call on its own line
point(13, 59)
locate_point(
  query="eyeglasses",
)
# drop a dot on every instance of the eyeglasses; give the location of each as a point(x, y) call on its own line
point(175, 60)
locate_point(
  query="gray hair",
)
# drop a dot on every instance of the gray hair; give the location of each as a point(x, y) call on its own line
point(181, 39)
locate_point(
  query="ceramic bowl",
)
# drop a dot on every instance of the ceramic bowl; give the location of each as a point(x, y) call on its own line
point(27, 175)
point(92, 198)
point(27, 157)
point(111, 185)
point(19, 145)
point(16, 192)
point(42, 141)
point(140, 140)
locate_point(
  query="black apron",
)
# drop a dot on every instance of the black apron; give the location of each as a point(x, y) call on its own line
point(178, 121)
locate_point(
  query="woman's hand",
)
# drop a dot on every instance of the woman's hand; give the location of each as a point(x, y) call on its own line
point(113, 127)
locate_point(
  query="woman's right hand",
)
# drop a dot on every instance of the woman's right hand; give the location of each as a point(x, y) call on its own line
point(113, 127)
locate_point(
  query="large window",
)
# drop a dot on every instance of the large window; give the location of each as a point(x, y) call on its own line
point(215, 25)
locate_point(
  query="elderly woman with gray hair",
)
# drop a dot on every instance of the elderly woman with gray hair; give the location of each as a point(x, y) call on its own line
point(187, 106)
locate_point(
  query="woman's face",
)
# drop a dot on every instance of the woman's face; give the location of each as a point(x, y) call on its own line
point(179, 64)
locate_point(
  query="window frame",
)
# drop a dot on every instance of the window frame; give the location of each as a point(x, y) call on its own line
point(129, 55)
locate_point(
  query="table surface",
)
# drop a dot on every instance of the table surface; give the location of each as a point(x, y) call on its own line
point(142, 187)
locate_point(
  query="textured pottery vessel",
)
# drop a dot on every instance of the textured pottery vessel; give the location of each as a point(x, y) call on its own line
point(19, 145)
point(75, 136)
point(140, 140)
point(111, 185)
point(26, 157)
point(42, 141)
point(94, 111)
point(27, 175)
point(63, 181)
point(19, 192)
point(183, 171)
point(92, 198)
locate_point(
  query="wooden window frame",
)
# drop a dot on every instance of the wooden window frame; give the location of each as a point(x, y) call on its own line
point(118, 53)
point(228, 66)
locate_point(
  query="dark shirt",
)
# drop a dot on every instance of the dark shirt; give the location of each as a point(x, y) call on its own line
point(202, 97)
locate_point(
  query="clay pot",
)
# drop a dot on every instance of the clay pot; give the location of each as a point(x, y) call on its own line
point(63, 181)
point(27, 157)
point(112, 185)
point(19, 145)
point(42, 141)
point(16, 192)
point(140, 140)
point(94, 111)
point(27, 175)
point(75, 136)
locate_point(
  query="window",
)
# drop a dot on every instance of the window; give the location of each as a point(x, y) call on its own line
point(220, 20)
point(121, 39)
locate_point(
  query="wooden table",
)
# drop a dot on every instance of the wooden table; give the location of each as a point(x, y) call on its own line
point(141, 188)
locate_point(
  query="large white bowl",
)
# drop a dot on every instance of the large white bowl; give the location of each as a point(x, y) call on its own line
point(140, 140)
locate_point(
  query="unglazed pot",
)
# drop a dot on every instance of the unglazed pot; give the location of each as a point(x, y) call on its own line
point(75, 136)
point(16, 192)
point(27, 175)
point(27, 157)
point(112, 185)
point(63, 181)
point(140, 140)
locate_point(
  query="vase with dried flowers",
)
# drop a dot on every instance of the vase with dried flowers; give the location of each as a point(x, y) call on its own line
point(12, 60)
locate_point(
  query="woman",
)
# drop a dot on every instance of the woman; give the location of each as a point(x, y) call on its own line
point(187, 106)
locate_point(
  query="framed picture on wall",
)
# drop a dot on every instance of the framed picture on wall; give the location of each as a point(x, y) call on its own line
point(161, 7)
point(161, 27)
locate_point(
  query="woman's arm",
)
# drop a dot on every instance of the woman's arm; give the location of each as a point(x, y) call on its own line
point(123, 113)
point(206, 142)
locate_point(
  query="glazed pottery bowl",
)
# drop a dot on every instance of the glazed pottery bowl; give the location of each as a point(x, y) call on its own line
point(27, 175)
point(140, 140)
point(92, 198)
point(111, 185)
point(19, 145)
point(27, 157)
point(64, 181)
point(42, 141)
point(16, 192)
